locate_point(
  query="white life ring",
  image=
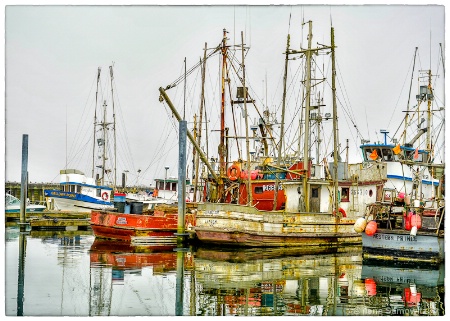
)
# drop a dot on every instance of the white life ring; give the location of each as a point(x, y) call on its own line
point(105, 196)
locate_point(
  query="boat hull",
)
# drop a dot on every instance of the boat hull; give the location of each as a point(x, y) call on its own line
point(246, 226)
point(75, 202)
point(161, 226)
point(29, 209)
point(399, 245)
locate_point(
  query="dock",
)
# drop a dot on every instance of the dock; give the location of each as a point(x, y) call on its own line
point(54, 220)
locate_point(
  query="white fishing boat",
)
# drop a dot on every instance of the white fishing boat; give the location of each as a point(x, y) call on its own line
point(79, 193)
point(407, 222)
point(12, 205)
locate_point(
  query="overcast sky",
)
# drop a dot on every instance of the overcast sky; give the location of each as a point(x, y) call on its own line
point(52, 54)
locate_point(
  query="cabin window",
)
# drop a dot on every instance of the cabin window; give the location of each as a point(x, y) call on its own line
point(99, 192)
point(370, 193)
point(173, 187)
point(78, 189)
point(388, 155)
point(345, 194)
point(410, 156)
point(315, 192)
point(258, 190)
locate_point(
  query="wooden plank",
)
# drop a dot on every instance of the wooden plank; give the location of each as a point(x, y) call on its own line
point(46, 223)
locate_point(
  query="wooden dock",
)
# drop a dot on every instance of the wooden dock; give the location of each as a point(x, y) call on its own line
point(48, 214)
point(60, 224)
point(57, 220)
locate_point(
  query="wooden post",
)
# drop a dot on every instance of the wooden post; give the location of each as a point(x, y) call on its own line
point(24, 183)
point(181, 181)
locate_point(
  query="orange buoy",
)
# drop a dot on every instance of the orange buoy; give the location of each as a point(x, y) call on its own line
point(371, 285)
point(234, 172)
point(371, 228)
point(155, 193)
point(408, 221)
point(416, 220)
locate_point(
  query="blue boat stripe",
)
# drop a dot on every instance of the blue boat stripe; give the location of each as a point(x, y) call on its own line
point(75, 196)
point(426, 182)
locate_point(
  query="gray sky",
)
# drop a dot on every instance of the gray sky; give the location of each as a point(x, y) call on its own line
point(52, 54)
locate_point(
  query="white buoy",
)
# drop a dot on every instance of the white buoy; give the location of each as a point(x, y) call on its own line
point(360, 225)
point(413, 231)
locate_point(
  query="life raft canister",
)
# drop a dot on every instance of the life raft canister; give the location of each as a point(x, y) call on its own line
point(234, 172)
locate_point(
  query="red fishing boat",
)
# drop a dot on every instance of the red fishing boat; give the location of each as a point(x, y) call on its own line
point(158, 225)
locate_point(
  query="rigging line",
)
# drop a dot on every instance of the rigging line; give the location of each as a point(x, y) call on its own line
point(296, 110)
point(233, 114)
point(344, 91)
point(198, 64)
point(396, 104)
point(443, 59)
point(256, 108)
point(349, 117)
point(122, 127)
point(81, 121)
point(367, 123)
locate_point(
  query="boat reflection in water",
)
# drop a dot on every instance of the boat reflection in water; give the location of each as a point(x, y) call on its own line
point(71, 273)
point(131, 280)
point(282, 281)
point(123, 275)
point(403, 289)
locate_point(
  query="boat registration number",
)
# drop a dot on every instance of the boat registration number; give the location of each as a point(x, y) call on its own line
point(395, 238)
point(121, 220)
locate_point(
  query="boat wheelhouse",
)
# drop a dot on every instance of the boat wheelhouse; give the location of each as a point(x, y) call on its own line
point(79, 193)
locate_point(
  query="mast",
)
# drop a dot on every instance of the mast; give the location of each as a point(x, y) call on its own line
point(104, 144)
point(114, 126)
point(307, 110)
point(282, 120)
point(222, 164)
point(429, 98)
point(335, 125)
point(95, 123)
point(409, 96)
point(202, 102)
point(247, 142)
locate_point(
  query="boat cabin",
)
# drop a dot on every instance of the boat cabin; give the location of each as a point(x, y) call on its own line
point(386, 153)
point(168, 188)
point(75, 181)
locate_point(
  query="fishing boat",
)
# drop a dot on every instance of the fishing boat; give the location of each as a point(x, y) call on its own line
point(158, 225)
point(82, 193)
point(12, 205)
point(79, 193)
point(407, 223)
point(140, 220)
point(279, 200)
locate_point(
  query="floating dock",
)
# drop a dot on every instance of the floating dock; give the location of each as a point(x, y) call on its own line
point(57, 220)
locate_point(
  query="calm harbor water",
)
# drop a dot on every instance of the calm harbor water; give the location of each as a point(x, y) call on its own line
point(52, 273)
